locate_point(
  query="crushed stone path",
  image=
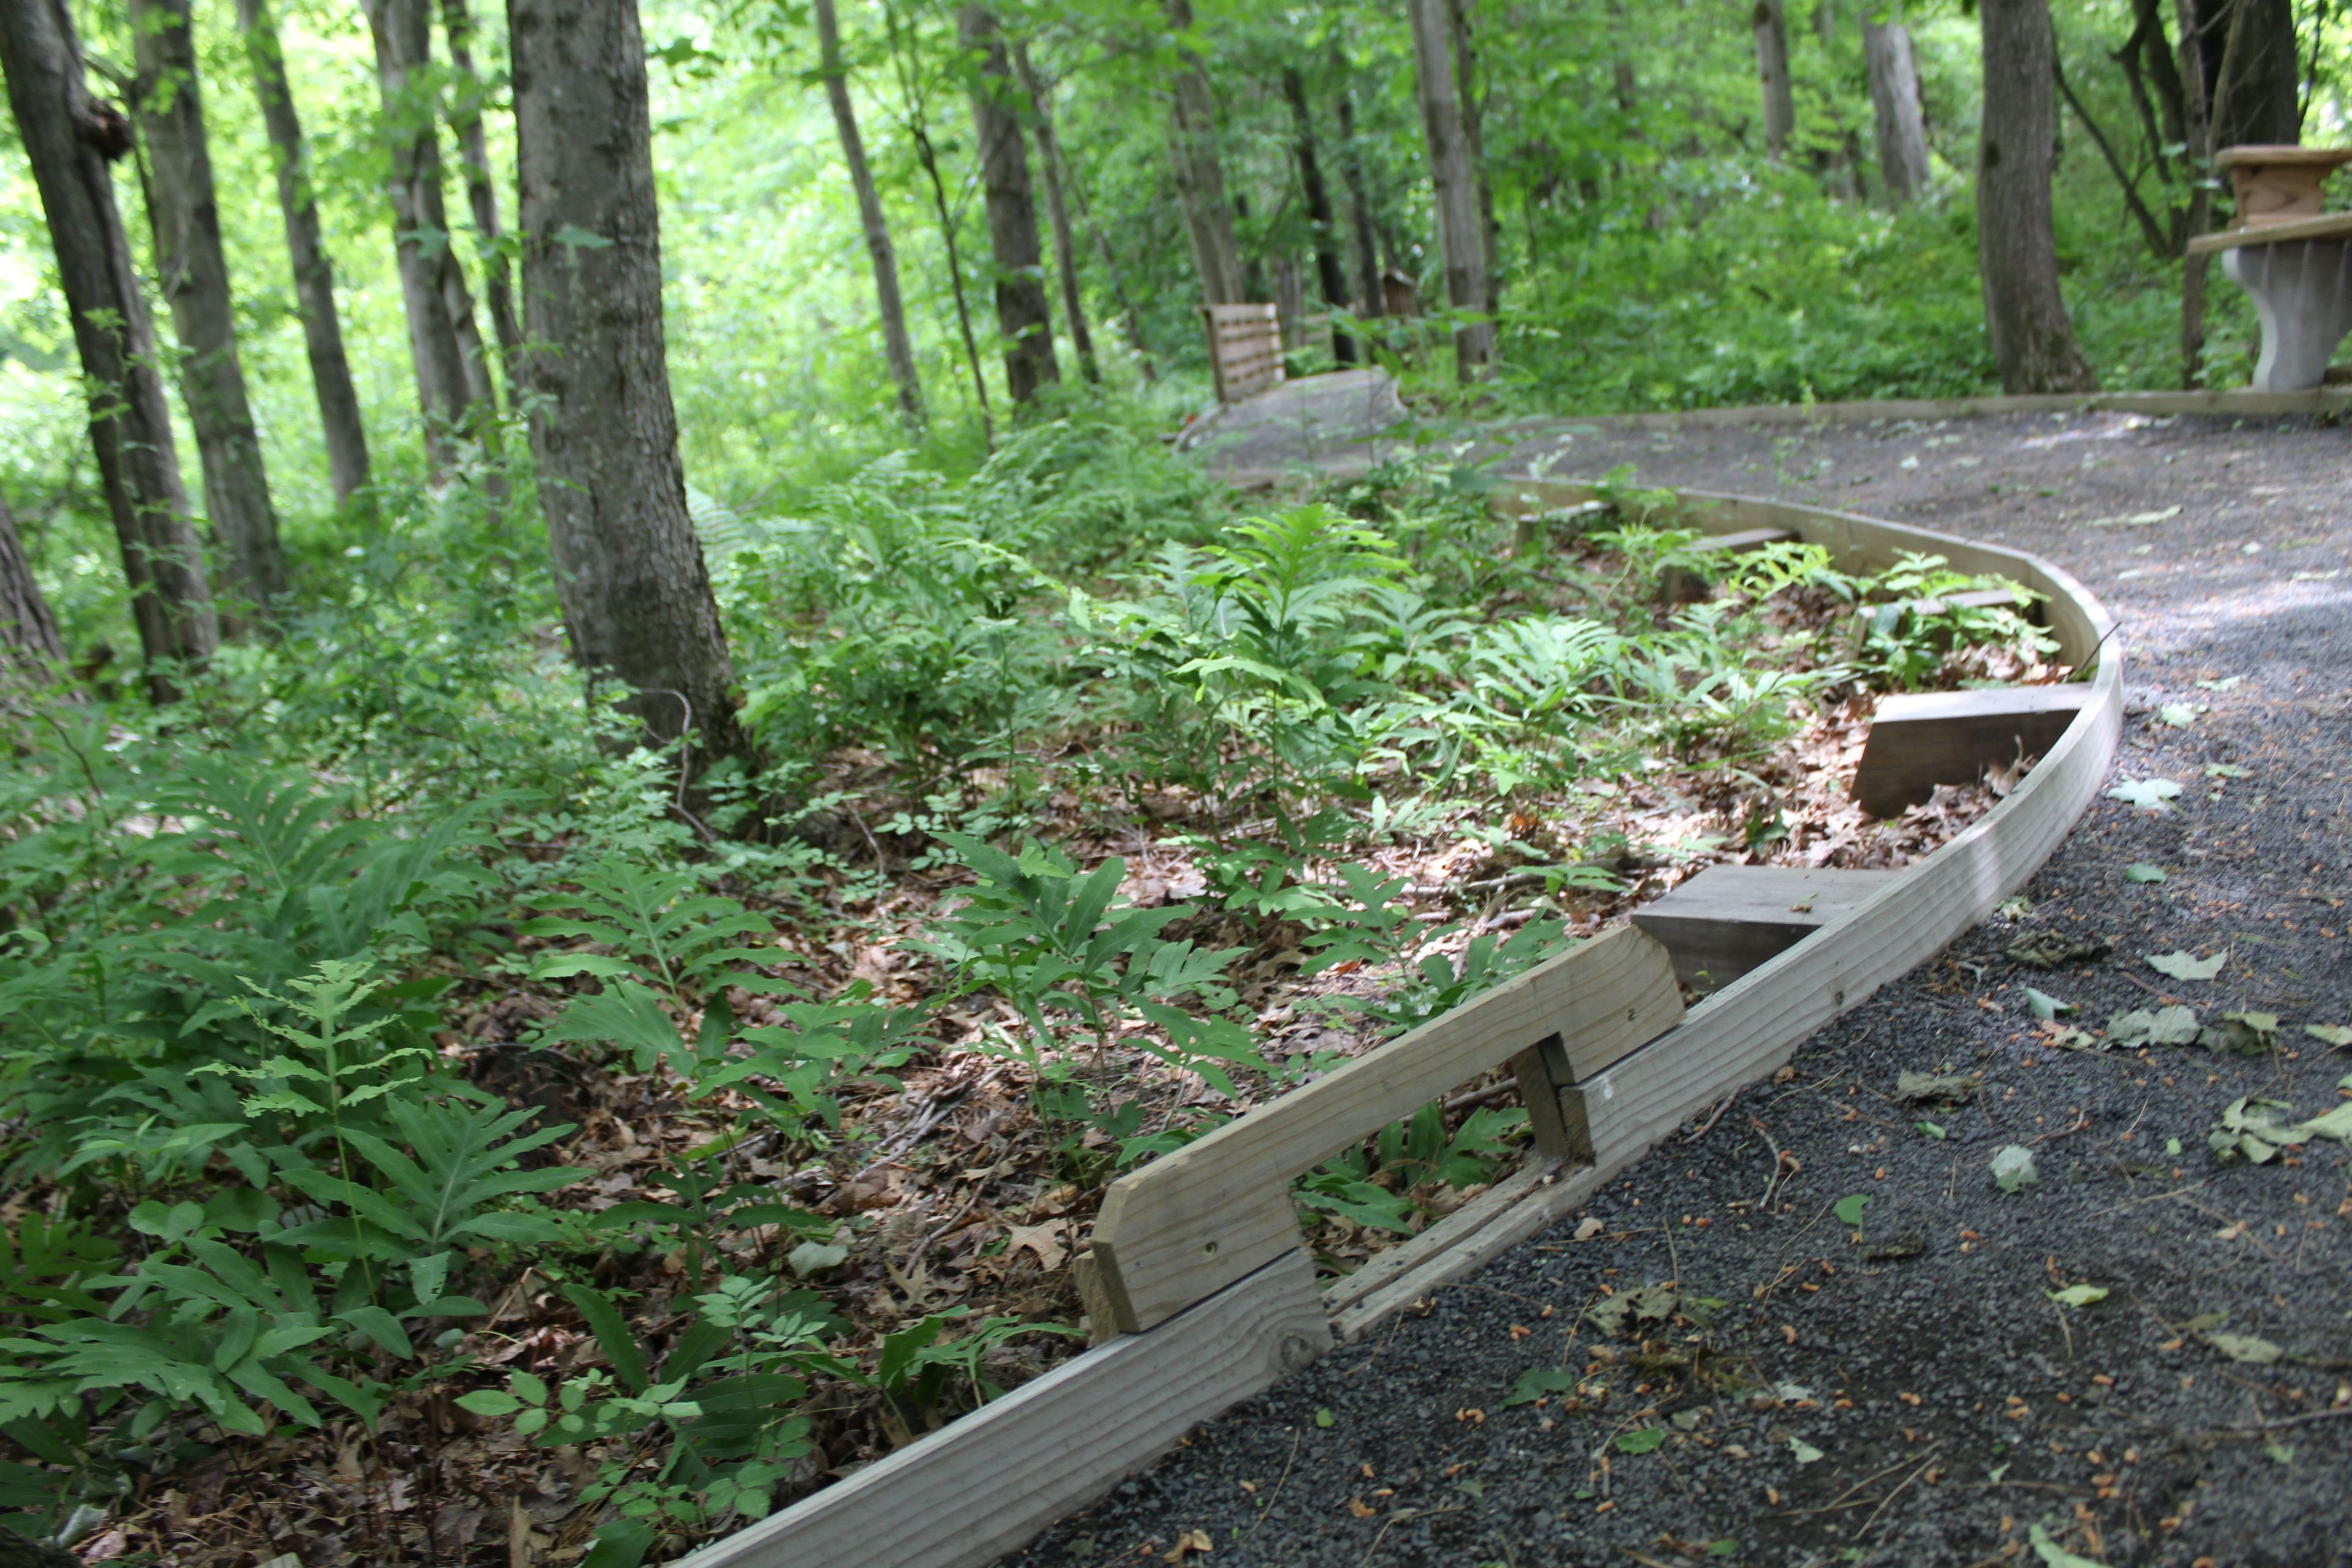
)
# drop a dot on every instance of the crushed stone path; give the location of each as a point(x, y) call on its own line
point(1905, 1390)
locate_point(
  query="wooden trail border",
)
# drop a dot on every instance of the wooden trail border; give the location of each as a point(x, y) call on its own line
point(1200, 1251)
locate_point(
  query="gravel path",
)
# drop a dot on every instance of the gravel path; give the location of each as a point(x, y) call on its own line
point(1905, 1390)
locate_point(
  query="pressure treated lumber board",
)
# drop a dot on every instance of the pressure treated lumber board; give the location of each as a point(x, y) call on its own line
point(2331, 226)
point(981, 1486)
point(1727, 919)
point(1680, 585)
point(1920, 740)
point(1219, 1206)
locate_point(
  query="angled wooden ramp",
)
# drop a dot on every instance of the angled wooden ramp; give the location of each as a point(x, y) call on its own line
point(1920, 740)
point(1729, 920)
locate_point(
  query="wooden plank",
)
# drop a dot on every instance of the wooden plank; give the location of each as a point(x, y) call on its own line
point(1680, 585)
point(1727, 919)
point(2328, 226)
point(982, 1486)
point(1530, 1210)
point(1220, 1207)
point(1920, 740)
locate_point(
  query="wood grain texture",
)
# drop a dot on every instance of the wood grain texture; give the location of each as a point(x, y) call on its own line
point(1920, 740)
point(1727, 919)
point(1540, 1205)
point(982, 1486)
point(2333, 226)
point(1219, 1208)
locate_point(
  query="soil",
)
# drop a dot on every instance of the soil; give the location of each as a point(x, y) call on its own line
point(1905, 1389)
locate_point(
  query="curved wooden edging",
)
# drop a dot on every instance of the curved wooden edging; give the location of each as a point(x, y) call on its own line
point(984, 1485)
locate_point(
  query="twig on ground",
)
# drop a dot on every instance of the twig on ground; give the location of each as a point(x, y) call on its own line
point(1275, 1495)
point(1713, 1118)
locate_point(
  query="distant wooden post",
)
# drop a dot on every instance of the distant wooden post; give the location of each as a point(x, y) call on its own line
point(1244, 349)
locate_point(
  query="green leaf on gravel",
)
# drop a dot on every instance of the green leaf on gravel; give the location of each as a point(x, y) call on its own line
point(2078, 1295)
point(2150, 794)
point(2186, 966)
point(2046, 1006)
point(2227, 771)
point(2133, 520)
point(1804, 1453)
point(2164, 1027)
point(2180, 715)
point(1644, 1441)
point(2013, 1168)
point(1539, 1382)
point(1934, 1089)
point(1323, 1417)
point(2142, 871)
point(2244, 1348)
point(2227, 683)
point(2053, 1555)
point(2336, 1034)
point(1931, 1129)
point(1849, 1209)
point(2335, 1124)
point(2241, 1032)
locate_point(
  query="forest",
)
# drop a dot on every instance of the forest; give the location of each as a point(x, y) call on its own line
point(634, 768)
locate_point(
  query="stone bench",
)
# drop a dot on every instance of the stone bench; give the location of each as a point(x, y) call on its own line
point(2289, 253)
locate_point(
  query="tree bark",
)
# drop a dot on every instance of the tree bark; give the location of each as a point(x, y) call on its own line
point(1057, 212)
point(482, 194)
point(67, 138)
point(1474, 137)
point(629, 572)
point(1367, 246)
point(31, 651)
point(1330, 274)
point(918, 126)
point(314, 279)
point(1134, 326)
point(2255, 97)
point(184, 210)
point(1200, 172)
point(1895, 103)
point(2200, 157)
point(1459, 233)
point(1770, 23)
point(1023, 320)
point(402, 36)
point(2032, 340)
point(897, 346)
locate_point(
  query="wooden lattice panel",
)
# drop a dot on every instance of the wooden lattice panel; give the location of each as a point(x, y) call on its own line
point(1244, 349)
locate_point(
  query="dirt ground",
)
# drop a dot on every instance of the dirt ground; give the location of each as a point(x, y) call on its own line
point(1912, 1380)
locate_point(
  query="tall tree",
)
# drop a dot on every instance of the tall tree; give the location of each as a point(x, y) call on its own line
point(1895, 103)
point(2196, 134)
point(2254, 77)
point(898, 347)
point(1023, 320)
point(68, 137)
point(430, 284)
point(314, 279)
point(1200, 169)
point(481, 195)
point(31, 652)
point(184, 212)
point(1329, 272)
point(2017, 253)
point(1366, 244)
point(1057, 212)
point(916, 121)
point(1460, 235)
point(629, 572)
point(1472, 97)
point(1769, 22)
point(1131, 324)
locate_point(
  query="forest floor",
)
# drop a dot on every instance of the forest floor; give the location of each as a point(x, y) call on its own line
point(2143, 1356)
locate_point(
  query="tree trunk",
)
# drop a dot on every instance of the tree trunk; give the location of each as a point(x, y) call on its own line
point(1458, 229)
point(31, 652)
point(1200, 172)
point(1770, 23)
point(67, 138)
point(1895, 101)
point(628, 569)
point(403, 35)
point(1057, 211)
point(1134, 326)
point(898, 347)
point(1023, 320)
point(1366, 247)
point(2198, 155)
point(2255, 96)
point(1474, 137)
point(185, 212)
point(918, 126)
point(1328, 272)
point(314, 279)
point(2032, 340)
point(481, 194)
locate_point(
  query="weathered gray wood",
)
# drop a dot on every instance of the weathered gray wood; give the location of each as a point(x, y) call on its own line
point(1440, 1255)
point(1220, 1207)
point(1680, 585)
point(2331, 226)
point(982, 1486)
point(1727, 919)
point(1920, 740)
